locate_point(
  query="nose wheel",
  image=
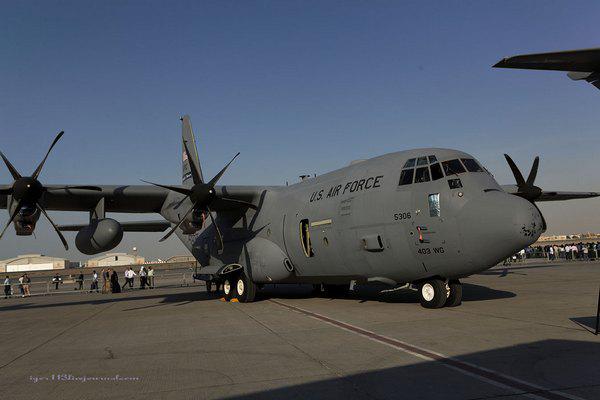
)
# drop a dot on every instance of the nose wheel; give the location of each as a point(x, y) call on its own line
point(436, 293)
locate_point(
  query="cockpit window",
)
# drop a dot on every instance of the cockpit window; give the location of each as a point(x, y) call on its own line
point(421, 161)
point(410, 163)
point(436, 172)
point(471, 165)
point(452, 167)
point(432, 159)
point(422, 175)
point(406, 177)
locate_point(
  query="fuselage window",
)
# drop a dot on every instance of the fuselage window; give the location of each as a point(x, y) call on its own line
point(410, 163)
point(406, 177)
point(421, 161)
point(452, 167)
point(432, 159)
point(434, 205)
point(471, 165)
point(422, 175)
point(305, 238)
point(436, 172)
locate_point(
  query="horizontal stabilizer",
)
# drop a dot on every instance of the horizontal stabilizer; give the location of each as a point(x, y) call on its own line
point(131, 226)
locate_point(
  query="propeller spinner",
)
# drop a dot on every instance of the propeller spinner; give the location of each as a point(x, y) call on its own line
point(27, 191)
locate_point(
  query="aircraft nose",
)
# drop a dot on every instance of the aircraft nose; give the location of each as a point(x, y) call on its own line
point(496, 225)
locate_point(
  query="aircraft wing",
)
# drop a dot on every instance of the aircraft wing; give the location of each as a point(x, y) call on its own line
point(546, 195)
point(133, 198)
point(581, 64)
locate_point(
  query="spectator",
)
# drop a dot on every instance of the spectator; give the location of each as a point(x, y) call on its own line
point(26, 283)
point(7, 287)
point(151, 277)
point(114, 281)
point(550, 253)
point(56, 280)
point(585, 252)
point(21, 288)
point(105, 280)
point(129, 275)
point(79, 282)
point(94, 285)
point(143, 277)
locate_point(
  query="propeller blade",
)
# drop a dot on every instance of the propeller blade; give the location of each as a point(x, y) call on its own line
point(37, 171)
point(242, 202)
point(13, 171)
point(187, 192)
point(515, 170)
point(212, 219)
point(533, 172)
point(60, 235)
point(94, 188)
point(172, 231)
point(6, 191)
point(196, 172)
point(214, 180)
point(12, 217)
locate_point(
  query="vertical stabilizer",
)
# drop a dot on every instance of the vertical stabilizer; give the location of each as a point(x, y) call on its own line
point(187, 137)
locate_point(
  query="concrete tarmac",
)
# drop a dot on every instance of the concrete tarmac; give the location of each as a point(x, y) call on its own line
point(522, 332)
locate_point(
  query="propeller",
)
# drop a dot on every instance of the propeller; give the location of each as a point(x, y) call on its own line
point(201, 194)
point(526, 188)
point(27, 191)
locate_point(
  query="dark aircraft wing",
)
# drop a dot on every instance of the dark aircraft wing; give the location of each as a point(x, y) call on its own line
point(580, 64)
point(133, 198)
point(546, 195)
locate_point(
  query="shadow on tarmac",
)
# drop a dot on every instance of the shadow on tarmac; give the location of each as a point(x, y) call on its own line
point(364, 293)
point(567, 365)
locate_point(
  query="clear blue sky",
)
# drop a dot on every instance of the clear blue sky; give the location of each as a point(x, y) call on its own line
point(297, 87)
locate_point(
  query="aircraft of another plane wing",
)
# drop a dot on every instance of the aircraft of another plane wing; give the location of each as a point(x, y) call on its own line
point(422, 218)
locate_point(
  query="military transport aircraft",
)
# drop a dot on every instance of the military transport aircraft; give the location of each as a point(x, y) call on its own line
point(419, 219)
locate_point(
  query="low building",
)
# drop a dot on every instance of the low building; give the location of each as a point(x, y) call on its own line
point(181, 259)
point(114, 260)
point(33, 262)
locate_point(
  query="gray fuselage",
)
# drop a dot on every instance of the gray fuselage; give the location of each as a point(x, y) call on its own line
point(360, 223)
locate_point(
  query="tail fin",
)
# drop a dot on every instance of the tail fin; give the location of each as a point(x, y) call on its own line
point(187, 137)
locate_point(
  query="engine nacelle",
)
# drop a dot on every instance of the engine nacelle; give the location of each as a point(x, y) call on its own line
point(25, 220)
point(100, 236)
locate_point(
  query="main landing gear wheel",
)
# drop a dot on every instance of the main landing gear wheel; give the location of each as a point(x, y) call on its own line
point(245, 289)
point(455, 297)
point(433, 293)
point(227, 289)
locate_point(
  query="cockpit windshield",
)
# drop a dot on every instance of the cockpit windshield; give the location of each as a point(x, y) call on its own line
point(427, 168)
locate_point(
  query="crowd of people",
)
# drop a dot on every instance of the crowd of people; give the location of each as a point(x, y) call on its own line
point(572, 251)
point(110, 281)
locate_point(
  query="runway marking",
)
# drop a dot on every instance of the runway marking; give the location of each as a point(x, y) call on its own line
point(486, 375)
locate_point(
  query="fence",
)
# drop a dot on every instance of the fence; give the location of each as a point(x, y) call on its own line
point(538, 255)
point(71, 285)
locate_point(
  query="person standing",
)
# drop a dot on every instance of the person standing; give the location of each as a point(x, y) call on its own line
point(94, 285)
point(21, 288)
point(105, 280)
point(151, 277)
point(56, 280)
point(143, 277)
point(7, 287)
point(80, 281)
point(26, 283)
point(114, 282)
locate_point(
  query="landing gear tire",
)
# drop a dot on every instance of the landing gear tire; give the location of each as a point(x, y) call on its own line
point(433, 293)
point(336, 290)
point(455, 297)
point(245, 289)
point(228, 289)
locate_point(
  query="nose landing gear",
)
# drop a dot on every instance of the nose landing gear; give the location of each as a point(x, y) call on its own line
point(436, 293)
